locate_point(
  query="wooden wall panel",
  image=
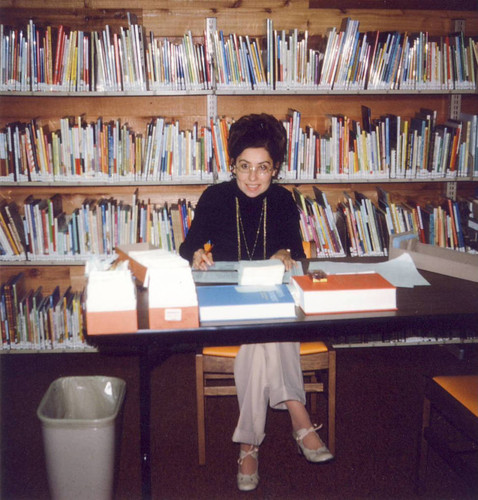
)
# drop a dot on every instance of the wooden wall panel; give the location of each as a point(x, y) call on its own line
point(136, 111)
point(316, 109)
point(72, 17)
point(48, 276)
point(173, 18)
point(74, 196)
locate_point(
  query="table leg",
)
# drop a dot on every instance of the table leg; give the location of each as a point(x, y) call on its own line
point(149, 358)
point(145, 368)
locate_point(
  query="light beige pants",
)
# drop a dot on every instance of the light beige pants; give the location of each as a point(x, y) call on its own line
point(265, 374)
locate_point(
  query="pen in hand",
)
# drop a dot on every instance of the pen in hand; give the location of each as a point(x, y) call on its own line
point(202, 259)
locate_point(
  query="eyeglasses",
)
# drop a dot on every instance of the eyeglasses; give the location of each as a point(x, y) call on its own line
point(245, 168)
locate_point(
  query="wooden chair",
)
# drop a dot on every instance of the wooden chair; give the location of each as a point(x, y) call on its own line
point(450, 426)
point(215, 377)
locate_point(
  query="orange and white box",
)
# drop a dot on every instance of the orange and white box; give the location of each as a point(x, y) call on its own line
point(111, 302)
point(172, 299)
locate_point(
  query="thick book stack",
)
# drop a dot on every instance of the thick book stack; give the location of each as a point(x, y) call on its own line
point(31, 319)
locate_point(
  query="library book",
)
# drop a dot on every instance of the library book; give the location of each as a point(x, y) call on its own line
point(344, 293)
point(248, 302)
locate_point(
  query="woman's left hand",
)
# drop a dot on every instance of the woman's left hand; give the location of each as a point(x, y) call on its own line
point(285, 258)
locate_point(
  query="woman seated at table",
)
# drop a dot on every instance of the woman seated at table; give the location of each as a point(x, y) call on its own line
point(251, 218)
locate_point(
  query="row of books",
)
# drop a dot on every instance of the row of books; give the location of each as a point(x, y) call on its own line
point(361, 228)
point(112, 152)
point(357, 226)
point(443, 224)
point(392, 60)
point(387, 147)
point(33, 319)
point(350, 60)
point(45, 232)
point(36, 59)
point(404, 337)
point(62, 59)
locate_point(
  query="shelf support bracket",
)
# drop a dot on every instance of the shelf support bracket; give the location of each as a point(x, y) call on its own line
point(454, 106)
point(451, 190)
point(459, 25)
point(211, 100)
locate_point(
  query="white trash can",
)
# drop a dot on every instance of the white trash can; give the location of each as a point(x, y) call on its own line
point(78, 416)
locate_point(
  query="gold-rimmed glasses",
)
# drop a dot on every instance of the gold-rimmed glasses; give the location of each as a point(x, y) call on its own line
point(246, 168)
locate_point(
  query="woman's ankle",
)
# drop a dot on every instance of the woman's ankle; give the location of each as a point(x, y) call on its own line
point(248, 459)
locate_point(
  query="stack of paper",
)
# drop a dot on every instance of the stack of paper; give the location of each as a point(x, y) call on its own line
point(261, 272)
point(157, 258)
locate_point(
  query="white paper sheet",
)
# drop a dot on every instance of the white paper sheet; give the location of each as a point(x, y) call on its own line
point(158, 259)
point(400, 272)
point(260, 272)
point(227, 272)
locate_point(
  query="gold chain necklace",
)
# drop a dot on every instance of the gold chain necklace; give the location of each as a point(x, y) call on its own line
point(240, 230)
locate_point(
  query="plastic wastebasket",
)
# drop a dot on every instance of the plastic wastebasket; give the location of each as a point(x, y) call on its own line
point(78, 416)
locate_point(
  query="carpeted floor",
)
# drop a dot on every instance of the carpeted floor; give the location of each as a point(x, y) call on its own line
point(379, 404)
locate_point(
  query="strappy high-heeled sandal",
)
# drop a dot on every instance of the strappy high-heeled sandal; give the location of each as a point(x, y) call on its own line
point(320, 455)
point(248, 482)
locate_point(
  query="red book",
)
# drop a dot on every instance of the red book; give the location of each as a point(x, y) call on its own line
point(58, 56)
point(340, 293)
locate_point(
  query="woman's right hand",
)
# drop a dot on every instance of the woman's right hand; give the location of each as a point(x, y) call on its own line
point(202, 259)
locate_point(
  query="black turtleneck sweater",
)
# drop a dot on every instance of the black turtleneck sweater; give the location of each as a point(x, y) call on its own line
point(215, 221)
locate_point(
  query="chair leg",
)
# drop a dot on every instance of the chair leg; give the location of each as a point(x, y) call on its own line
point(313, 397)
point(200, 410)
point(332, 382)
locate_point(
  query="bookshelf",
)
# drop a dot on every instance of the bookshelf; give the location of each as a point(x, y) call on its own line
point(137, 107)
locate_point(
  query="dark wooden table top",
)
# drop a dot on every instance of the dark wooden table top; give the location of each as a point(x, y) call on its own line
point(447, 303)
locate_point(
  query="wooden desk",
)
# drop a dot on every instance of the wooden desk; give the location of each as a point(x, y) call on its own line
point(449, 303)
